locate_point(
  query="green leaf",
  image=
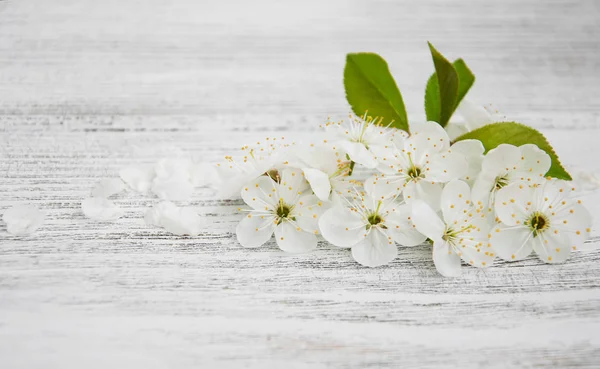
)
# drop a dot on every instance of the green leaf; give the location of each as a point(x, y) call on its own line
point(440, 103)
point(516, 134)
point(433, 97)
point(370, 87)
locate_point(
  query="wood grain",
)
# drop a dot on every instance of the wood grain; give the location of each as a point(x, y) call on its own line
point(88, 87)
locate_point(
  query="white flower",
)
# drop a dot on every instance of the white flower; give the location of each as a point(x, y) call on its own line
point(266, 158)
point(507, 164)
point(107, 187)
point(371, 227)
point(461, 234)
point(545, 219)
point(23, 219)
point(326, 170)
point(101, 209)
point(285, 208)
point(174, 219)
point(475, 116)
point(364, 140)
point(418, 166)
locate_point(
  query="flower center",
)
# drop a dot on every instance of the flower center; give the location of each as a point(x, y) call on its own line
point(500, 182)
point(414, 173)
point(374, 219)
point(450, 235)
point(283, 211)
point(274, 174)
point(538, 223)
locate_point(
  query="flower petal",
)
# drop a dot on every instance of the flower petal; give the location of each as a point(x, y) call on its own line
point(425, 191)
point(307, 212)
point(319, 182)
point(512, 243)
point(514, 203)
point(383, 187)
point(427, 221)
point(534, 161)
point(375, 250)
point(293, 239)
point(576, 222)
point(446, 261)
point(475, 116)
point(293, 185)
point(455, 201)
point(342, 227)
point(23, 219)
point(261, 193)
point(430, 133)
point(472, 150)
point(401, 228)
point(254, 230)
point(139, 178)
point(154, 215)
point(359, 153)
point(107, 187)
point(181, 221)
point(504, 158)
point(101, 209)
point(552, 247)
point(446, 167)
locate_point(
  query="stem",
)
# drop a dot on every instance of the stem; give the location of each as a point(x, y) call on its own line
point(351, 168)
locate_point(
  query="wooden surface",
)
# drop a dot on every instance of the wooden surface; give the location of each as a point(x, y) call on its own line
point(87, 87)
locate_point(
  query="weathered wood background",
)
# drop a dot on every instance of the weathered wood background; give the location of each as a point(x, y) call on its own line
point(89, 86)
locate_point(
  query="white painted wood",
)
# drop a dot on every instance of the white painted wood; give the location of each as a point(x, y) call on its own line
point(87, 87)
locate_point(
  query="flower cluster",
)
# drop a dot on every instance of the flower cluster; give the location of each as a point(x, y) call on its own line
point(411, 189)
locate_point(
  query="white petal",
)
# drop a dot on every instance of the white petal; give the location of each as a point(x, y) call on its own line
point(307, 212)
point(153, 216)
point(261, 193)
point(101, 209)
point(455, 200)
point(512, 243)
point(455, 130)
point(23, 219)
point(182, 221)
point(173, 188)
point(446, 167)
point(446, 261)
point(576, 222)
point(342, 227)
point(384, 187)
point(552, 248)
point(425, 191)
point(401, 228)
point(107, 187)
point(473, 151)
point(293, 239)
point(254, 231)
point(293, 185)
point(139, 178)
point(426, 220)
point(514, 203)
point(475, 116)
point(482, 189)
point(432, 134)
point(359, 153)
point(534, 161)
point(504, 158)
point(319, 182)
point(375, 250)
